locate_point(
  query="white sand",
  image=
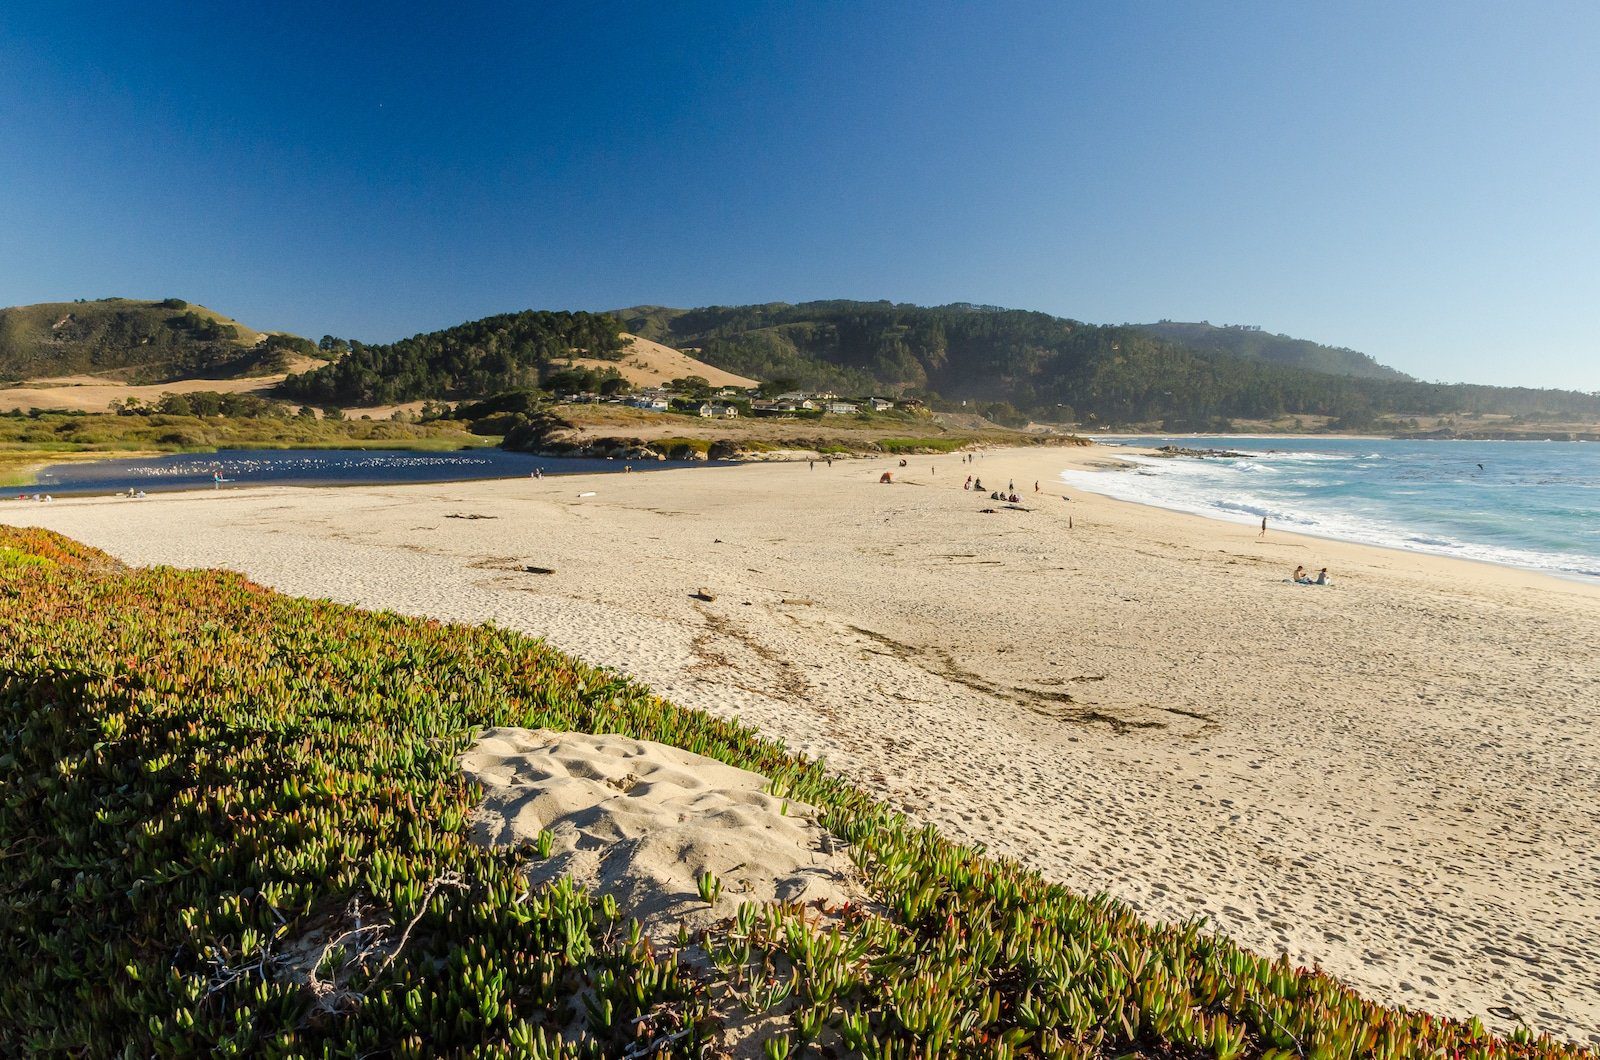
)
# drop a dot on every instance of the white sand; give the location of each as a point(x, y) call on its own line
point(642, 821)
point(1395, 777)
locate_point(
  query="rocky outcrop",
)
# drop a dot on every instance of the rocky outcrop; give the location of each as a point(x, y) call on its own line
point(1200, 454)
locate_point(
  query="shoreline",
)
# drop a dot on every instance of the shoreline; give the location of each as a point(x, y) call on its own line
point(1386, 778)
point(1573, 576)
point(1083, 461)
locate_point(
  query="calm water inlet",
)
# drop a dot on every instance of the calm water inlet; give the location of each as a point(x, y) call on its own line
point(307, 467)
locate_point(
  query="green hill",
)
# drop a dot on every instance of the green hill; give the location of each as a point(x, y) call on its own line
point(470, 360)
point(1254, 344)
point(1056, 368)
point(134, 341)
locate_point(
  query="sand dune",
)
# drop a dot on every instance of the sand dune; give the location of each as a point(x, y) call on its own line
point(1393, 778)
point(642, 821)
point(646, 363)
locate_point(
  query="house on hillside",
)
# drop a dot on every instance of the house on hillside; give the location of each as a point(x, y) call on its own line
point(719, 412)
point(877, 404)
point(653, 400)
point(840, 408)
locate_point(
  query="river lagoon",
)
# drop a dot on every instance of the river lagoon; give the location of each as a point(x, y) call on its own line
point(235, 468)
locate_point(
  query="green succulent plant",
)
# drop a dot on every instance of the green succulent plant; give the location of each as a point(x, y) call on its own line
point(232, 823)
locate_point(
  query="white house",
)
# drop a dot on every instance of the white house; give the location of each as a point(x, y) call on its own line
point(840, 408)
point(719, 412)
point(653, 402)
point(879, 404)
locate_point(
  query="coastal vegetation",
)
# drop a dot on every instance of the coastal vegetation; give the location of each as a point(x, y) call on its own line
point(1252, 343)
point(1061, 370)
point(1011, 366)
point(233, 824)
point(471, 360)
point(136, 341)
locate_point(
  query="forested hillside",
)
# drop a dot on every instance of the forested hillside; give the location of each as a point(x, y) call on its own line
point(469, 360)
point(1052, 367)
point(1254, 344)
point(134, 341)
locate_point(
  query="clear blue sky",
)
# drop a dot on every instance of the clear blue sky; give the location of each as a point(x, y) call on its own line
point(1420, 181)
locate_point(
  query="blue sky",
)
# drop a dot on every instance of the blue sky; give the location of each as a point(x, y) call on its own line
point(1414, 180)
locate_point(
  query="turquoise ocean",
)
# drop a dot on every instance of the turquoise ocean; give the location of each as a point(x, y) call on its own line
point(1524, 504)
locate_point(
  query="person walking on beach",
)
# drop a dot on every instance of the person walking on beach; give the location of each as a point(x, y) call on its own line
point(1263, 527)
point(1036, 485)
point(813, 464)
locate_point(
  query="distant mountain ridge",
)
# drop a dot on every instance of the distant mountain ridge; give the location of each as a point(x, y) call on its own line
point(1253, 343)
point(134, 341)
point(1188, 376)
point(1011, 364)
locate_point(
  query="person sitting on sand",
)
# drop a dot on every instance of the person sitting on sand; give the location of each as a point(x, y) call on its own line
point(977, 484)
point(1299, 574)
point(1322, 577)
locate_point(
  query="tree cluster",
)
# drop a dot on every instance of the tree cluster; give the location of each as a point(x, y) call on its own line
point(467, 361)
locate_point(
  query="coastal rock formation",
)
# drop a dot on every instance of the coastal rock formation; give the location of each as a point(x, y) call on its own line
point(1199, 454)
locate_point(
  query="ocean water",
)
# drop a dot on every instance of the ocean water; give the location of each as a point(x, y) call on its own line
point(1524, 504)
point(306, 467)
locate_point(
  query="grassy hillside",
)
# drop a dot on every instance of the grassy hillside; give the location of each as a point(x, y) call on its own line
point(233, 824)
point(139, 342)
point(1060, 369)
point(1256, 345)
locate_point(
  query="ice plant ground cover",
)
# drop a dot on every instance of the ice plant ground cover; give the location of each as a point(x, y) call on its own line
point(232, 823)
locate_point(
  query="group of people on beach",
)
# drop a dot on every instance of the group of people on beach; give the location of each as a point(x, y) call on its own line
point(1008, 494)
point(43, 498)
point(1303, 577)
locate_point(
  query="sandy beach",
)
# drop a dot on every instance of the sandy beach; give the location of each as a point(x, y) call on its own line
point(1394, 778)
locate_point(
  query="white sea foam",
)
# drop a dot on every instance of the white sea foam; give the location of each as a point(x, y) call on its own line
point(1385, 513)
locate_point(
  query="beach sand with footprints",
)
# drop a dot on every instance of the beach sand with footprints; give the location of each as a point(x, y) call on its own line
point(1394, 778)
